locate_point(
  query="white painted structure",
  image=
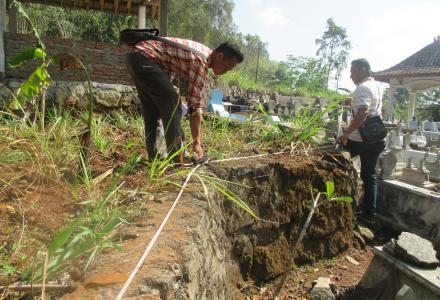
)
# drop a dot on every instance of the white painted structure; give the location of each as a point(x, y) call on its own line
point(413, 85)
point(417, 73)
point(2, 37)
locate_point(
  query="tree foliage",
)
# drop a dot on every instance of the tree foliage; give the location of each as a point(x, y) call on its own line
point(428, 104)
point(333, 50)
point(211, 23)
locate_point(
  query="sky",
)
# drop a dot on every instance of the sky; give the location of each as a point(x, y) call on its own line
point(385, 32)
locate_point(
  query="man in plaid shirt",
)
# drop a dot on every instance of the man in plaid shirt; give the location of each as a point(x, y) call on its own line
point(152, 65)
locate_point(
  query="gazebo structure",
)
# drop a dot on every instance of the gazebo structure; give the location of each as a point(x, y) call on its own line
point(154, 9)
point(419, 72)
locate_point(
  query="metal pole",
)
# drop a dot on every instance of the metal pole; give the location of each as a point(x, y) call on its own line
point(258, 61)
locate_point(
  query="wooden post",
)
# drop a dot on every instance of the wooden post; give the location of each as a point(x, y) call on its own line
point(141, 16)
point(2, 36)
point(163, 18)
point(13, 20)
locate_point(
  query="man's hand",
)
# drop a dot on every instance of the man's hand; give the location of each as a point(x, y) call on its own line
point(198, 150)
point(347, 101)
point(344, 137)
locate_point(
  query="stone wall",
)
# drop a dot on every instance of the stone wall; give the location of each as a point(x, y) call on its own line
point(73, 94)
point(106, 62)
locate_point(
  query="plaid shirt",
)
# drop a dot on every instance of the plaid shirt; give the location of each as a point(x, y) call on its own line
point(174, 60)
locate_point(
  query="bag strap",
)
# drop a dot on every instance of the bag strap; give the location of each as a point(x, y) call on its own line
point(175, 44)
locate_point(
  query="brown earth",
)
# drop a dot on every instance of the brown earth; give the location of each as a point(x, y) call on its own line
point(44, 204)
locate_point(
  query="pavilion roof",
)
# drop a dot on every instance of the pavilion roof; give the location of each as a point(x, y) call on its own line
point(423, 63)
point(129, 7)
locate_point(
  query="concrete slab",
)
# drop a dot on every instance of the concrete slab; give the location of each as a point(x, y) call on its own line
point(424, 282)
point(410, 208)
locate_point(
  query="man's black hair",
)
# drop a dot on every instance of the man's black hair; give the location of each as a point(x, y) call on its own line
point(230, 50)
point(362, 63)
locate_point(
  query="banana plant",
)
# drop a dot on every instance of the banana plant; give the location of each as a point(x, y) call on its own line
point(39, 81)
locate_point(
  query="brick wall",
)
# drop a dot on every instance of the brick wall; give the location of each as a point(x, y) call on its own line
point(106, 62)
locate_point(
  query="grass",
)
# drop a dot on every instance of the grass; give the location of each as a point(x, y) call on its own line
point(103, 206)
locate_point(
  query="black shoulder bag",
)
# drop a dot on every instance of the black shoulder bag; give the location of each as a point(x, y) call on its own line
point(133, 36)
point(373, 129)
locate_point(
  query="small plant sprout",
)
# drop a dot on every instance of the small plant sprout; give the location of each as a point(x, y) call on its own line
point(330, 197)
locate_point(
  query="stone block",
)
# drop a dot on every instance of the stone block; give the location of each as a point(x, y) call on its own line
point(405, 293)
point(322, 290)
point(416, 250)
point(108, 98)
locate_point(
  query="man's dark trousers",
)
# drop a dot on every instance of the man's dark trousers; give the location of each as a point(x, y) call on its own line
point(369, 154)
point(158, 100)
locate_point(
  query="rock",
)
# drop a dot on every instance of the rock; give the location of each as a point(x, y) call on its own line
point(405, 293)
point(359, 237)
point(352, 260)
point(271, 107)
point(366, 233)
point(128, 99)
point(108, 98)
point(416, 250)
point(322, 290)
point(5, 92)
point(78, 90)
point(64, 98)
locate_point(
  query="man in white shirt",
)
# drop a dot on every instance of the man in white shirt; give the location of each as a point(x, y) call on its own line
point(366, 101)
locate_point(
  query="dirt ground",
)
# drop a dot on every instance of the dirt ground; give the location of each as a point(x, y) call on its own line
point(33, 208)
point(340, 270)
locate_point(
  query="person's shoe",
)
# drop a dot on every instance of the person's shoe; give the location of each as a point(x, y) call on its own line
point(369, 219)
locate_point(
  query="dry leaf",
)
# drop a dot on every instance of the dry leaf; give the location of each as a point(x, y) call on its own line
point(8, 208)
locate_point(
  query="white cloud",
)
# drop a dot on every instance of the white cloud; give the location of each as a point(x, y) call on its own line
point(273, 18)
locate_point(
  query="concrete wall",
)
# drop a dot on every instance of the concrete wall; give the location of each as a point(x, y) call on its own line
point(412, 208)
point(386, 275)
point(106, 62)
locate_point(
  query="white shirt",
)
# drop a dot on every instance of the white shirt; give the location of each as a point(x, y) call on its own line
point(368, 94)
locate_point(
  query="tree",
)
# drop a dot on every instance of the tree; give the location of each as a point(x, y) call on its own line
point(428, 104)
point(206, 21)
point(333, 50)
point(306, 73)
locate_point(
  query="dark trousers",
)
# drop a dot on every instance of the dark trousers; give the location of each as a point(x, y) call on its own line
point(369, 154)
point(159, 100)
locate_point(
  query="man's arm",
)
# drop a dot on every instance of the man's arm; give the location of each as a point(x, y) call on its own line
point(195, 120)
point(358, 120)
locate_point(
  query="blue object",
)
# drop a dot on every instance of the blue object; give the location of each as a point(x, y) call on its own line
point(240, 118)
point(216, 98)
point(215, 105)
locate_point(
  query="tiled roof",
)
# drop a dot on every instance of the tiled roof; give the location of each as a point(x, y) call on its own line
point(424, 62)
